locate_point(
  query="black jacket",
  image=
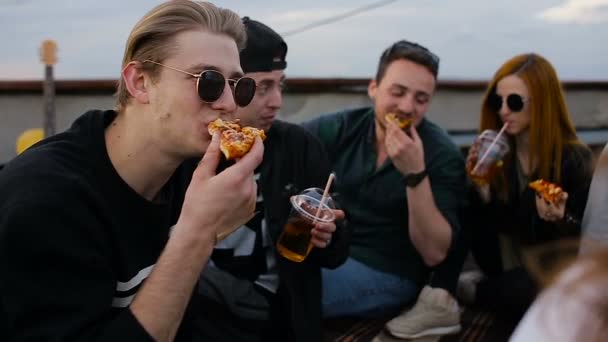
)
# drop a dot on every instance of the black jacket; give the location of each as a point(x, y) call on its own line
point(75, 240)
point(294, 160)
point(519, 218)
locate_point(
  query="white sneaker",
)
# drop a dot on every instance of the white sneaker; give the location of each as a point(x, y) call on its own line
point(430, 316)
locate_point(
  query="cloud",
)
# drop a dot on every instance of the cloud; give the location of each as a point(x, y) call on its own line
point(577, 12)
point(311, 15)
point(304, 15)
point(295, 18)
point(91, 34)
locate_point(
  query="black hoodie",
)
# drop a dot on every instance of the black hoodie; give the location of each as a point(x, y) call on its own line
point(76, 242)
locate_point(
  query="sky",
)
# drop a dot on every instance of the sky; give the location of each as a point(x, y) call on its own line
point(472, 37)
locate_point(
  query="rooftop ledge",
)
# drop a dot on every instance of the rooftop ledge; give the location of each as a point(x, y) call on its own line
point(294, 85)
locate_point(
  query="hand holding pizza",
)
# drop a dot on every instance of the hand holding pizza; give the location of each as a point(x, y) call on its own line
point(406, 151)
point(208, 209)
point(402, 122)
point(550, 200)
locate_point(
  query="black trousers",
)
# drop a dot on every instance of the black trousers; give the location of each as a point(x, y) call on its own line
point(506, 292)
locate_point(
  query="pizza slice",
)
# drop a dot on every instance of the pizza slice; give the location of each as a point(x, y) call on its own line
point(549, 191)
point(402, 122)
point(223, 125)
point(254, 132)
point(235, 141)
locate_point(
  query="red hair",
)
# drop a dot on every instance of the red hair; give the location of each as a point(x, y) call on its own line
point(550, 126)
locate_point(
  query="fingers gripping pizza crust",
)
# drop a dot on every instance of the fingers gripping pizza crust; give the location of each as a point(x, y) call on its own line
point(235, 141)
point(549, 191)
point(400, 121)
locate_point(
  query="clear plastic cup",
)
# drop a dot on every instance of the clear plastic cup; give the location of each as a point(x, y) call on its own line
point(294, 243)
point(482, 170)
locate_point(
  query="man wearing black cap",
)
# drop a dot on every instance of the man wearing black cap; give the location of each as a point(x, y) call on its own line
point(264, 60)
point(249, 291)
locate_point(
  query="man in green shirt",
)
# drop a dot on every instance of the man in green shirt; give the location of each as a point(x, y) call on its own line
point(402, 190)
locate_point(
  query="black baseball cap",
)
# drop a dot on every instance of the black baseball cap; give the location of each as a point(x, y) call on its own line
point(265, 51)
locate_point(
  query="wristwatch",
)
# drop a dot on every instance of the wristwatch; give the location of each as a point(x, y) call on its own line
point(413, 179)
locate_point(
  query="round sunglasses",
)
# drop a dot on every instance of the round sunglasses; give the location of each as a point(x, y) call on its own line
point(210, 85)
point(515, 102)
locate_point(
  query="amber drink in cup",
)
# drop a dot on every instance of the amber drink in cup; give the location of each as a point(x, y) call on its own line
point(492, 149)
point(295, 240)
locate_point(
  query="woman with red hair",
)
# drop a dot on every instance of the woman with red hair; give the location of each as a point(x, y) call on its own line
point(506, 216)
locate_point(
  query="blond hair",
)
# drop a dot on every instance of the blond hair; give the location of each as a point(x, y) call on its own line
point(153, 36)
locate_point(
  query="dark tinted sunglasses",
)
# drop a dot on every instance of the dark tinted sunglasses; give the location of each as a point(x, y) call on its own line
point(210, 85)
point(431, 58)
point(515, 102)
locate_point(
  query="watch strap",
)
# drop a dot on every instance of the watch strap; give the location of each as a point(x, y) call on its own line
point(413, 179)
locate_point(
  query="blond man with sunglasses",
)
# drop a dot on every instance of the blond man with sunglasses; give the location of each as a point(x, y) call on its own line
point(106, 227)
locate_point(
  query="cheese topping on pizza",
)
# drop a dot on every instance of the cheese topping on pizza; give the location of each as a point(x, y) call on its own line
point(400, 121)
point(549, 191)
point(235, 141)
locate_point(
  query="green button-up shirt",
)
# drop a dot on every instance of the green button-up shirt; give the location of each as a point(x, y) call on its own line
point(375, 199)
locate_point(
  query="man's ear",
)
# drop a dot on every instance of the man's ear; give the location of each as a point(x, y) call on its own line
point(372, 87)
point(136, 82)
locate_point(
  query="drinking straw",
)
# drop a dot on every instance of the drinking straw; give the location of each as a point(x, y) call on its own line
point(324, 197)
point(489, 148)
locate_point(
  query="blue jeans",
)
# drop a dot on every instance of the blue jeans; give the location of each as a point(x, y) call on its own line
point(355, 289)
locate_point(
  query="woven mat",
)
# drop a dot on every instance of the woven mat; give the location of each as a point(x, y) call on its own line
point(477, 326)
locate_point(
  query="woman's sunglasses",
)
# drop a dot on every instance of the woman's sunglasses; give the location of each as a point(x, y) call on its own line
point(210, 85)
point(515, 102)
